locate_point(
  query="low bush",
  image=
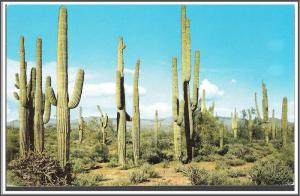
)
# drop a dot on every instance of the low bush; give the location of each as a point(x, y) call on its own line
point(271, 172)
point(90, 180)
point(196, 176)
point(137, 176)
point(234, 173)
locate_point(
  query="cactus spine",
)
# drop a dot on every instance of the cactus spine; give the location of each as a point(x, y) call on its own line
point(273, 126)
point(80, 125)
point(189, 107)
point(136, 115)
point(103, 123)
point(234, 123)
point(61, 100)
point(250, 125)
point(42, 106)
point(284, 122)
point(178, 110)
point(122, 116)
point(25, 98)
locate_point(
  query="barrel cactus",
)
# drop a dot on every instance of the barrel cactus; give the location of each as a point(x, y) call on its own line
point(61, 100)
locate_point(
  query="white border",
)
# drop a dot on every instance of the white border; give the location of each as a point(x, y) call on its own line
point(3, 78)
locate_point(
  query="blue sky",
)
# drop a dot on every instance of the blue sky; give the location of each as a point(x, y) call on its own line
point(240, 45)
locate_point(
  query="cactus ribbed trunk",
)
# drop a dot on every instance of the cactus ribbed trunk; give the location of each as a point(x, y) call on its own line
point(38, 114)
point(273, 126)
point(61, 101)
point(80, 126)
point(136, 115)
point(156, 129)
point(31, 108)
point(103, 123)
point(234, 124)
point(122, 116)
point(284, 122)
point(266, 124)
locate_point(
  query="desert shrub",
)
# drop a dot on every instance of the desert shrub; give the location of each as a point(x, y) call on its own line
point(13, 180)
point(223, 150)
point(113, 162)
point(179, 168)
point(39, 170)
point(234, 173)
point(271, 172)
point(235, 162)
point(90, 180)
point(137, 176)
point(146, 168)
point(207, 149)
point(196, 176)
point(250, 158)
point(153, 156)
point(222, 165)
point(100, 153)
point(217, 178)
point(12, 144)
point(165, 164)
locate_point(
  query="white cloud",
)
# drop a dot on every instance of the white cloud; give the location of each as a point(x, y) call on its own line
point(163, 108)
point(232, 81)
point(211, 90)
point(129, 71)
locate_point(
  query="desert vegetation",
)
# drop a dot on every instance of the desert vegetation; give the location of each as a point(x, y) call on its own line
point(193, 147)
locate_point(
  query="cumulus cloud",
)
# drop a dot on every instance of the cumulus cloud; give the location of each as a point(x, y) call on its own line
point(129, 71)
point(211, 90)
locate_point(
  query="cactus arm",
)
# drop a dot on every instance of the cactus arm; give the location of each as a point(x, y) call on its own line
point(128, 117)
point(105, 121)
point(121, 47)
point(17, 85)
point(75, 99)
point(51, 96)
point(16, 96)
point(22, 77)
point(196, 81)
point(256, 106)
point(47, 103)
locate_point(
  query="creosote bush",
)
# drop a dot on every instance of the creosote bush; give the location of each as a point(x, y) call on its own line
point(37, 169)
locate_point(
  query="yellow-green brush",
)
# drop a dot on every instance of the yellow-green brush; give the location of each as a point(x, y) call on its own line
point(61, 100)
point(81, 125)
point(234, 124)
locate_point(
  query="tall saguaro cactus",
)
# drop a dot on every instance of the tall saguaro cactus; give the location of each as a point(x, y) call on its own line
point(284, 122)
point(189, 107)
point(81, 125)
point(250, 125)
point(156, 129)
point(122, 116)
point(178, 110)
point(30, 106)
point(42, 106)
point(264, 120)
point(234, 123)
point(136, 115)
point(61, 100)
point(25, 99)
point(103, 123)
point(273, 125)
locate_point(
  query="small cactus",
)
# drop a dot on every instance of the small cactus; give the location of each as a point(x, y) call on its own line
point(273, 125)
point(250, 125)
point(156, 129)
point(234, 123)
point(61, 100)
point(103, 123)
point(284, 122)
point(81, 125)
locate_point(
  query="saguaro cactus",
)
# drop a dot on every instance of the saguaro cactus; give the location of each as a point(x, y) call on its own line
point(250, 125)
point(61, 100)
point(81, 125)
point(30, 107)
point(42, 106)
point(122, 116)
point(264, 120)
point(212, 109)
point(25, 99)
point(234, 123)
point(178, 110)
point(156, 129)
point(136, 115)
point(284, 122)
point(273, 125)
point(189, 106)
point(103, 123)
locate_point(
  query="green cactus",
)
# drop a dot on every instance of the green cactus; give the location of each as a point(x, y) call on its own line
point(189, 107)
point(30, 107)
point(203, 102)
point(103, 123)
point(42, 106)
point(178, 110)
point(81, 125)
point(122, 115)
point(250, 125)
point(211, 109)
point(61, 100)
point(284, 122)
point(273, 125)
point(25, 98)
point(234, 123)
point(156, 129)
point(136, 115)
